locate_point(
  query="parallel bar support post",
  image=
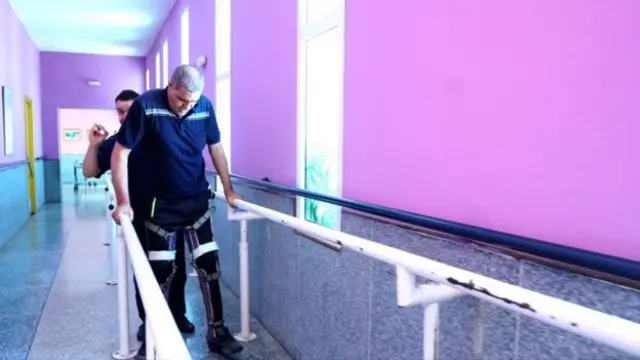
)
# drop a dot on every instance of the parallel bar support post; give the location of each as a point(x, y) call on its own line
point(112, 240)
point(124, 352)
point(245, 334)
point(243, 217)
point(429, 296)
point(110, 208)
point(431, 325)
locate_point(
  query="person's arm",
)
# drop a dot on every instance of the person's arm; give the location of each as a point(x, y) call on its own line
point(105, 149)
point(216, 151)
point(130, 135)
point(90, 166)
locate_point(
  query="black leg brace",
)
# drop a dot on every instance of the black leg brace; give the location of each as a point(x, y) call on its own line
point(199, 238)
point(162, 255)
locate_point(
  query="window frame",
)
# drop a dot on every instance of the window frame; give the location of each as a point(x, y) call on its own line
point(220, 77)
point(165, 62)
point(185, 46)
point(158, 79)
point(308, 31)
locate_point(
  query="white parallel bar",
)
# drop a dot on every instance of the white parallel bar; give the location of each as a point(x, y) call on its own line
point(608, 329)
point(167, 340)
point(169, 343)
point(124, 351)
point(150, 342)
point(233, 215)
point(410, 294)
point(245, 317)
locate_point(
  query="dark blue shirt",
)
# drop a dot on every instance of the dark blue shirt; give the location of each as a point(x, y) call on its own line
point(172, 146)
point(140, 194)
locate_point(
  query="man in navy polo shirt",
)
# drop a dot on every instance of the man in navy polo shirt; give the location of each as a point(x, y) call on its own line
point(96, 162)
point(174, 125)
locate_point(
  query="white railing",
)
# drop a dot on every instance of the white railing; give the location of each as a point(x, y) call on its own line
point(448, 283)
point(163, 339)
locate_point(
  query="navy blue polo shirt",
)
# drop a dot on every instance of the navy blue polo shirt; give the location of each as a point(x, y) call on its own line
point(172, 146)
point(140, 194)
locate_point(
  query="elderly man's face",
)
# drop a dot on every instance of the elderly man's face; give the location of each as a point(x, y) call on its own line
point(122, 107)
point(181, 100)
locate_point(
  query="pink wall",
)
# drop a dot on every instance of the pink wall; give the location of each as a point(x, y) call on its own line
point(520, 116)
point(263, 89)
point(64, 78)
point(515, 116)
point(83, 119)
point(19, 68)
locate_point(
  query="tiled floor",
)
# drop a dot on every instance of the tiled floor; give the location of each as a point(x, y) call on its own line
point(55, 303)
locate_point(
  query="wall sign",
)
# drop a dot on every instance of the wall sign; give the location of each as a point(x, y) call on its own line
point(71, 134)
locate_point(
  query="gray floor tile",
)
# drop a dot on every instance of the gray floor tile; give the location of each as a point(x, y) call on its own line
point(79, 320)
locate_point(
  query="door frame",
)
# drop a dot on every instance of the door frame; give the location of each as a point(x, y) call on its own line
point(31, 154)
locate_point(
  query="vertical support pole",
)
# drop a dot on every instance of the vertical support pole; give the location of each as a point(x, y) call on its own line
point(110, 208)
point(245, 334)
point(124, 349)
point(113, 255)
point(113, 249)
point(430, 340)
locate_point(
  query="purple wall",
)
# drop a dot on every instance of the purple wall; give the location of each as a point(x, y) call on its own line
point(515, 116)
point(19, 69)
point(64, 76)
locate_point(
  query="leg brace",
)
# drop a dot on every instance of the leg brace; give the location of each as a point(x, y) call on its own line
point(205, 261)
point(162, 261)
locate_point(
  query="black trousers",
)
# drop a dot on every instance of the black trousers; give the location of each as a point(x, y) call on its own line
point(172, 224)
point(176, 298)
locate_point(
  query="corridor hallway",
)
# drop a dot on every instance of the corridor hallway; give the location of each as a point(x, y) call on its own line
point(55, 303)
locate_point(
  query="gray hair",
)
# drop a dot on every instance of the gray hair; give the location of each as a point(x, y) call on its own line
point(188, 76)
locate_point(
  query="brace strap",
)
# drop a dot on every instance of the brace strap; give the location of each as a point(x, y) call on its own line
point(204, 248)
point(158, 230)
point(203, 275)
point(166, 234)
point(162, 255)
point(202, 220)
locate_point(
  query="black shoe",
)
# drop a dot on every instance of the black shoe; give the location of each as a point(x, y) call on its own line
point(222, 342)
point(184, 325)
point(141, 333)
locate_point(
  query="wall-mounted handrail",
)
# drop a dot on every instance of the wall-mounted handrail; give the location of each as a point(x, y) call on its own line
point(163, 339)
point(606, 264)
point(604, 328)
point(14, 164)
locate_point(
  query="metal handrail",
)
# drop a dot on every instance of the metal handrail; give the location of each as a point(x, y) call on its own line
point(163, 339)
point(448, 282)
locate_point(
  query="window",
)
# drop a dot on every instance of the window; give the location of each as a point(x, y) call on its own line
point(223, 37)
point(320, 107)
point(157, 84)
point(165, 63)
point(184, 36)
point(223, 74)
point(146, 80)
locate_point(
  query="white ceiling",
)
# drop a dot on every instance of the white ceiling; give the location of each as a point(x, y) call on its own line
point(109, 27)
